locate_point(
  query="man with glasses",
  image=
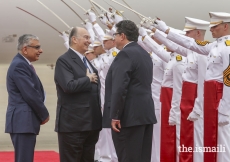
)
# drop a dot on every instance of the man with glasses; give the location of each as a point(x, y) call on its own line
point(26, 110)
point(79, 118)
point(128, 104)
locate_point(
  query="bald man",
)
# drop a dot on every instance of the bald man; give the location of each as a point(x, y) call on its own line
point(79, 118)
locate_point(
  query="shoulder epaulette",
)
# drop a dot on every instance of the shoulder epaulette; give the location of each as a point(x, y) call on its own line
point(178, 57)
point(202, 43)
point(114, 53)
point(227, 42)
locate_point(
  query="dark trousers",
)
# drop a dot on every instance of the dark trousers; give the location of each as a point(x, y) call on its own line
point(77, 146)
point(134, 144)
point(24, 144)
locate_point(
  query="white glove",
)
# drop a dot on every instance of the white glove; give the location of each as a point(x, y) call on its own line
point(116, 18)
point(142, 31)
point(161, 25)
point(147, 24)
point(103, 19)
point(193, 116)
point(109, 16)
point(172, 121)
point(92, 17)
point(223, 119)
point(88, 25)
point(64, 36)
point(172, 117)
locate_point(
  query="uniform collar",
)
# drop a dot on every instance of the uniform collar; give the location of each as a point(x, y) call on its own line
point(224, 38)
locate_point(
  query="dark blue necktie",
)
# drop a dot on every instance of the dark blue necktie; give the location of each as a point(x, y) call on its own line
point(84, 60)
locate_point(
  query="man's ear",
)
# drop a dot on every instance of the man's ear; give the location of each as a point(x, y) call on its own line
point(123, 36)
point(198, 32)
point(227, 26)
point(24, 50)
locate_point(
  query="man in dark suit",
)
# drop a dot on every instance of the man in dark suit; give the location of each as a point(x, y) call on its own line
point(26, 110)
point(79, 118)
point(129, 106)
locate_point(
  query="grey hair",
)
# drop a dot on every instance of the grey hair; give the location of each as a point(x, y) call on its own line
point(72, 33)
point(25, 39)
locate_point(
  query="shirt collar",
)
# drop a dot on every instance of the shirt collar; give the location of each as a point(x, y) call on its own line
point(26, 59)
point(127, 44)
point(80, 55)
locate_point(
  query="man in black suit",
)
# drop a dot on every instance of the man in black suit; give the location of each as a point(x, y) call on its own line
point(129, 106)
point(79, 118)
point(26, 110)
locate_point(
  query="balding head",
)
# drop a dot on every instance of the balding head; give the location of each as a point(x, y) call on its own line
point(79, 39)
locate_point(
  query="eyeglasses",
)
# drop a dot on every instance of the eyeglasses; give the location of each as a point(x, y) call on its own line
point(35, 47)
point(114, 34)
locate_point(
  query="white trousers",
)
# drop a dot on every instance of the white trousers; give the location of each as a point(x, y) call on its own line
point(105, 151)
point(198, 156)
point(155, 157)
point(223, 142)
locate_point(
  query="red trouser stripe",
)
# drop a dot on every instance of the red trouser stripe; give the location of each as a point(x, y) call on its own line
point(212, 94)
point(189, 94)
point(168, 133)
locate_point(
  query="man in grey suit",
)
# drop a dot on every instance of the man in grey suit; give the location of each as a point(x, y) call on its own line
point(79, 118)
point(26, 110)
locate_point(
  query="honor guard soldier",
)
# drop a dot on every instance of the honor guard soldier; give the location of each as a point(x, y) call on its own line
point(170, 99)
point(216, 88)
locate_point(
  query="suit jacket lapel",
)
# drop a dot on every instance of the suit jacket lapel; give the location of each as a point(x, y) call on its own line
point(39, 85)
point(77, 59)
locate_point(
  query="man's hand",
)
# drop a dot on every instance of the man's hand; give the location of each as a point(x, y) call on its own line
point(142, 32)
point(172, 121)
point(223, 119)
point(161, 25)
point(92, 76)
point(64, 36)
point(116, 18)
point(88, 25)
point(92, 17)
point(45, 121)
point(103, 19)
point(172, 117)
point(193, 116)
point(147, 24)
point(116, 125)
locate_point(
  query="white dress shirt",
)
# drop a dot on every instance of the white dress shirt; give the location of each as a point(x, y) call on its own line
point(26, 59)
point(81, 57)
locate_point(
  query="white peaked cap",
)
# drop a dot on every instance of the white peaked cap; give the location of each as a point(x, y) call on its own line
point(96, 42)
point(217, 18)
point(90, 49)
point(192, 23)
point(108, 35)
